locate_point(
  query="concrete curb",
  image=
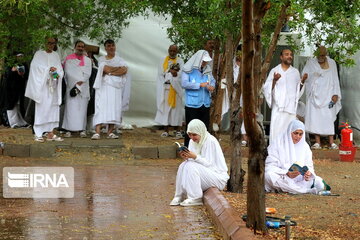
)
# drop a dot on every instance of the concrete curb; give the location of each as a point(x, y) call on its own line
point(229, 224)
point(154, 152)
point(48, 149)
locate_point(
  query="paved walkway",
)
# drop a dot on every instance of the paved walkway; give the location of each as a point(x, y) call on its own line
point(116, 197)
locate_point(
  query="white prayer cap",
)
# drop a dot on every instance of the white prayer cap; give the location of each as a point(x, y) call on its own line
point(206, 57)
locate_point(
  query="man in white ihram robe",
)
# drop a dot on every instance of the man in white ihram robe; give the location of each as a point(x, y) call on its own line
point(282, 90)
point(44, 87)
point(109, 83)
point(171, 115)
point(170, 111)
point(77, 73)
point(321, 88)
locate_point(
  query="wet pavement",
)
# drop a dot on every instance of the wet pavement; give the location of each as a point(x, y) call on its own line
point(116, 197)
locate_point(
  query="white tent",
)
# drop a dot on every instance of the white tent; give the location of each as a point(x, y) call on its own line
point(142, 46)
point(350, 89)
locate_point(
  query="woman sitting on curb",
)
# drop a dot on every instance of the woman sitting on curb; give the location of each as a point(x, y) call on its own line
point(204, 166)
point(289, 166)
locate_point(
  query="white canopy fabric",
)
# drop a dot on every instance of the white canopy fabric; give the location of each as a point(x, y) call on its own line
point(350, 91)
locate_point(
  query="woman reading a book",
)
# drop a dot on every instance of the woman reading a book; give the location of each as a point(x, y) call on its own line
point(289, 166)
point(204, 166)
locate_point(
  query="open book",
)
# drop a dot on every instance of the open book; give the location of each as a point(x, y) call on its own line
point(181, 148)
point(297, 167)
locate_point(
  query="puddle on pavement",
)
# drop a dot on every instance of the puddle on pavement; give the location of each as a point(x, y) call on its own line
point(112, 201)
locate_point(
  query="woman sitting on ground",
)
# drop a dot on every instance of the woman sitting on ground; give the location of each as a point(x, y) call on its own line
point(204, 166)
point(287, 150)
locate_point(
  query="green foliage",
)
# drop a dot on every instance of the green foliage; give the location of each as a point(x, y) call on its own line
point(195, 21)
point(25, 23)
point(334, 24)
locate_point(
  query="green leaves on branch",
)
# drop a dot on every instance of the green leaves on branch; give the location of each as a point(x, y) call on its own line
point(334, 23)
point(25, 24)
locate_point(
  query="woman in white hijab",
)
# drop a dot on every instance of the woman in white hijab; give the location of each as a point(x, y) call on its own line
point(204, 166)
point(288, 149)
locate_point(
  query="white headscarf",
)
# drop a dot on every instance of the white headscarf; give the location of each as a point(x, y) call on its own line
point(198, 127)
point(196, 60)
point(283, 152)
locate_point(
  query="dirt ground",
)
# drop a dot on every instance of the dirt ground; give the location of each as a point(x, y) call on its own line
point(317, 217)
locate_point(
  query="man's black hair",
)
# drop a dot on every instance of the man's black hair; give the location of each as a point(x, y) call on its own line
point(109, 41)
point(79, 41)
point(281, 52)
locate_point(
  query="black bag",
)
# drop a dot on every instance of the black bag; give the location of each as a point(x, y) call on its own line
point(74, 91)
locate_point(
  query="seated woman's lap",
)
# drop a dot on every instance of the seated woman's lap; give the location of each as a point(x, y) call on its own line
point(208, 177)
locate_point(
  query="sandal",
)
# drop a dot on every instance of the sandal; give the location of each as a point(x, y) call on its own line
point(39, 139)
point(83, 134)
point(334, 146)
point(164, 134)
point(316, 146)
point(96, 136)
point(55, 138)
point(112, 136)
point(178, 135)
point(67, 134)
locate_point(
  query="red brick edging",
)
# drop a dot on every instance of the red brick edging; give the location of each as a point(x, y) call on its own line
point(229, 224)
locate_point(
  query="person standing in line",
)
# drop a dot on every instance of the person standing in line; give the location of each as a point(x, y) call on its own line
point(91, 104)
point(169, 97)
point(77, 69)
point(209, 46)
point(44, 87)
point(109, 83)
point(15, 79)
point(323, 97)
point(198, 82)
point(282, 90)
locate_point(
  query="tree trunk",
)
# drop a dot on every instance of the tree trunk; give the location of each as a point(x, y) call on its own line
point(260, 9)
point(256, 192)
point(280, 23)
point(256, 163)
point(2, 60)
point(216, 96)
point(236, 182)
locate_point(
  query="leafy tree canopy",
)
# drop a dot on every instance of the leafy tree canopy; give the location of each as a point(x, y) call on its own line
point(24, 24)
point(333, 23)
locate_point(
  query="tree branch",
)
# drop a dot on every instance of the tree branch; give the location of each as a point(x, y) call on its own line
point(280, 23)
